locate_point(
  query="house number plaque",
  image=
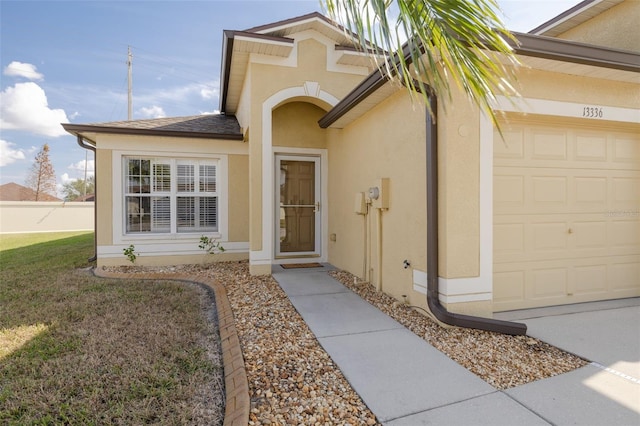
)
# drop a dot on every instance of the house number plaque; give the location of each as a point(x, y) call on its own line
point(593, 112)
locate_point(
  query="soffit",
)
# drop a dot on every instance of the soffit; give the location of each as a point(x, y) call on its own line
point(580, 69)
point(243, 45)
point(573, 17)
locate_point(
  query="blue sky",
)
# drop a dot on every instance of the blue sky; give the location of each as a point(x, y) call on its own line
point(66, 61)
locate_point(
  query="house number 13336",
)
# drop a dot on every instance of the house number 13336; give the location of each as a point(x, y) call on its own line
point(592, 112)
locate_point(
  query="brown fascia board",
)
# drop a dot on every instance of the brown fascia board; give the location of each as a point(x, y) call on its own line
point(373, 82)
point(561, 17)
point(527, 45)
point(297, 19)
point(227, 52)
point(294, 20)
point(368, 86)
point(78, 129)
point(571, 51)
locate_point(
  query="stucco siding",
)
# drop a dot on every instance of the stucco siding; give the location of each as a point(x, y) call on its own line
point(388, 142)
point(616, 28)
point(296, 125)
point(458, 188)
point(541, 84)
point(238, 198)
point(104, 197)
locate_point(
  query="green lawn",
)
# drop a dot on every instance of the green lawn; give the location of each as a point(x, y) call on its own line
point(76, 349)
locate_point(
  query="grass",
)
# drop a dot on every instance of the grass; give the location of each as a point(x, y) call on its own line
point(76, 349)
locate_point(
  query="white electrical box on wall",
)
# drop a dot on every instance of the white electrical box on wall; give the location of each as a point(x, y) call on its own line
point(382, 201)
point(360, 206)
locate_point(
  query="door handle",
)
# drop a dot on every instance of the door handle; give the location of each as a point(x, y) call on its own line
point(317, 207)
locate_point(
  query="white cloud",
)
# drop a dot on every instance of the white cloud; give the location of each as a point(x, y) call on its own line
point(179, 94)
point(20, 69)
point(8, 154)
point(152, 112)
point(25, 107)
point(208, 92)
point(79, 167)
point(65, 178)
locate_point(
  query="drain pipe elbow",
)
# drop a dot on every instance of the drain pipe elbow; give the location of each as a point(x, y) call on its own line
point(86, 145)
point(433, 299)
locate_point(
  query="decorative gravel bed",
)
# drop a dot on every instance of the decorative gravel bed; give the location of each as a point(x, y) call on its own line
point(292, 380)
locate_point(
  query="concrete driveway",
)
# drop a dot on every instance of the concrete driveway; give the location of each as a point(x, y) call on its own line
point(605, 333)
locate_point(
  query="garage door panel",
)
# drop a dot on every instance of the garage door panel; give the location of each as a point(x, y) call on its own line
point(566, 215)
point(625, 234)
point(525, 190)
point(509, 237)
point(511, 147)
point(509, 190)
point(625, 276)
point(626, 192)
point(549, 192)
point(590, 147)
point(589, 279)
point(590, 191)
point(589, 234)
point(509, 287)
point(549, 236)
point(548, 145)
point(548, 282)
point(626, 151)
point(583, 149)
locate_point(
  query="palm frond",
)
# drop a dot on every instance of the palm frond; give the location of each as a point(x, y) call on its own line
point(435, 44)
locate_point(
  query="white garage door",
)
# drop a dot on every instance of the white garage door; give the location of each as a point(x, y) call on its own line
point(566, 213)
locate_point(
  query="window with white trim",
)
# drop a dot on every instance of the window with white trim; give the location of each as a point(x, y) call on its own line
point(170, 195)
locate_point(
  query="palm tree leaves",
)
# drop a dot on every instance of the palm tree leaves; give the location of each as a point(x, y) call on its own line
point(435, 43)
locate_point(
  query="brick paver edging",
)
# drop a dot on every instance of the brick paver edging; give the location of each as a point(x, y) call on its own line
point(236, 412)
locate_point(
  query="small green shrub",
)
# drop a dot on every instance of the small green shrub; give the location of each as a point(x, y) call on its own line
point(210, 245)
point(131, 254)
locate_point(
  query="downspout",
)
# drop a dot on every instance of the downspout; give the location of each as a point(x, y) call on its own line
point(84, 144)
point(433, 300)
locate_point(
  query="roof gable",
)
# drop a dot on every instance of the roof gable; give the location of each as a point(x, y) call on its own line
point(278, 40)
point(573, 17)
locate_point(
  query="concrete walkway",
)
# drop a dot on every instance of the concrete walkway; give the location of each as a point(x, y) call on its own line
point(405, 381)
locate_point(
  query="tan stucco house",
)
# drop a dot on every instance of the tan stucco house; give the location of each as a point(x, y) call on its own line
point(317, 157)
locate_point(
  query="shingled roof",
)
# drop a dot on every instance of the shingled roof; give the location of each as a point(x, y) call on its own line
point(212, 126)
point(15, 192)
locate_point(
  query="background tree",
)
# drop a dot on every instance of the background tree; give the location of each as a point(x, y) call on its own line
point(42, 178)
point(77, 188)
point(435, 43)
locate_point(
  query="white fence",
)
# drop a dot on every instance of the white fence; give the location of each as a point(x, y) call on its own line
point(45, 216)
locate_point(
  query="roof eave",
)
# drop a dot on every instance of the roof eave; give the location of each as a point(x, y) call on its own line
point(527, 45)
point(570, 51)
point(227, 48)
point(79, 129)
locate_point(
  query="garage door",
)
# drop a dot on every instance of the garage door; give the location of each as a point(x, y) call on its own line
point(566, 213)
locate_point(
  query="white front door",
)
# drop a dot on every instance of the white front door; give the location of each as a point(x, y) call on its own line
point(297, 227)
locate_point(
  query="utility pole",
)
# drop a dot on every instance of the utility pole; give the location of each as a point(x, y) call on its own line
point(129, 79)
